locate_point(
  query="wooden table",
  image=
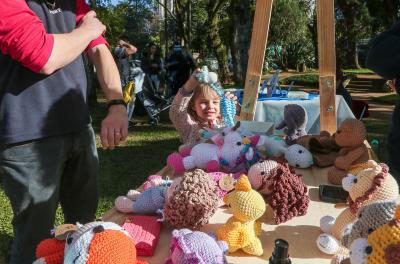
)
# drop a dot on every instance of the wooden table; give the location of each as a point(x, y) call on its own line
point(300, 232)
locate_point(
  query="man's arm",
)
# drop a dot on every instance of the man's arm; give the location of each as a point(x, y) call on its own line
point(114, 127)
point(129, 48)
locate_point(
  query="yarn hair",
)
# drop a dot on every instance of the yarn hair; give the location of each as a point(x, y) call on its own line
point(193, 203)
point(289, 196)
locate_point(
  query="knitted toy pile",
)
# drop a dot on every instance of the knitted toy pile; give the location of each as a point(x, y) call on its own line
point(381, 247)
point(227, 106)
point(196, 247)
point(353, 154)
point(95, 242)
point(370, 185)
point(231, 153)
point(284, 190)
point(294, 123)
point(370, 217)
point(242, 230)
point(192, 202)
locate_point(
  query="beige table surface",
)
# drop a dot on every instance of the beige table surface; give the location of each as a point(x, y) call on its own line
point(300, 232)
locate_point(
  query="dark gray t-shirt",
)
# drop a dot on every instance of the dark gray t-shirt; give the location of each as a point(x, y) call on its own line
point(34, 106)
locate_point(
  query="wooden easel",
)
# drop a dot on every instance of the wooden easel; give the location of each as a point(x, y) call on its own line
point(326, 61)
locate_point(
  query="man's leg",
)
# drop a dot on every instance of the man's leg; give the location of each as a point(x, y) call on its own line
point(31, 174)
point(393, 144)
point(79, 183)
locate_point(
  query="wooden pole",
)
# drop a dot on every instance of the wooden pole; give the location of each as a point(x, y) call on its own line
point(327, 64)
point(258, 44)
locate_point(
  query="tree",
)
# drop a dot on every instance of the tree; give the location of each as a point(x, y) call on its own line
point(384, 12)
point(241, 14)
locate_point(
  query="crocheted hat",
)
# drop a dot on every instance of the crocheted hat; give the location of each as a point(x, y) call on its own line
point(196, 247)
point(370, 217)
point(101, 243)
point(227, 106)
point(192, 202)
point(385, 243)
point(145, 230)
point(146, 202)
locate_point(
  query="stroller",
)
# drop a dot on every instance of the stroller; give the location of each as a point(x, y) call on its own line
point(141, 96)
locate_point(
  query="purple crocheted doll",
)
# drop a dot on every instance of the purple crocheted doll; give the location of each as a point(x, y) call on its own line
point(189, 247)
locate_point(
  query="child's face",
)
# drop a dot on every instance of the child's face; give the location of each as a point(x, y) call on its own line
point(207, 107)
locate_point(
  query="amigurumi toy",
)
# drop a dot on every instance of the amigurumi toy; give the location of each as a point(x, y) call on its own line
point(294, 123)
point(189, 247)
point(192, 200)
point(296, 155)
point(370, 185)
point(227, 105)
point(96, 242)
point(353, 153)
point(284, 190)
point(146, 202)
point(381, 247)
point(242, 230)
point(232, 154)
point(370, 217)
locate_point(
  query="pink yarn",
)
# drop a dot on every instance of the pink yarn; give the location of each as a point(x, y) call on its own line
point(217, 176)
point(212, 166)
point(151, 181)
point(175, 160)
point(184, 150)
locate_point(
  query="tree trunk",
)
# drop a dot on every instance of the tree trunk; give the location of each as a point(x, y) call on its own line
point(241, 18)
point(215, 38)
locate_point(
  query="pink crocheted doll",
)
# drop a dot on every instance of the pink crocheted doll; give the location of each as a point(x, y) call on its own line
point(283, 188)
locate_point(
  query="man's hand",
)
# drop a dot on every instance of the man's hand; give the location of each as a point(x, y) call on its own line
point(114, 128)
point(91, 25)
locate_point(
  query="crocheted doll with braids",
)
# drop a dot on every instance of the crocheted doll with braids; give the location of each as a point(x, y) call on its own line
point(227, 106)
point(370, 185)
point(283, 188)
point(196, 247)
point(191, 201)
point(96, 242)
point(242, 230)
point(369, 218)
point(381, 247)
point(353, 154)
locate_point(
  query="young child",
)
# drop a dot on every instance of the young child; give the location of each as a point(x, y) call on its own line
point(196, 106)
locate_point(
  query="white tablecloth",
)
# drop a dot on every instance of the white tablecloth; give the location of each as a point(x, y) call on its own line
point(272, 111)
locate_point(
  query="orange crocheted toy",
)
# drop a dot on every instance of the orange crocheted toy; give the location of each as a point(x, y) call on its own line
point(93, 243)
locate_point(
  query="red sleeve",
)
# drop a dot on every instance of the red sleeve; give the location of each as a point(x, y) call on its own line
point(81, 9)
point(23, 36)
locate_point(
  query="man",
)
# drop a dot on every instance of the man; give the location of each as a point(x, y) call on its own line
point(384, 59)
point(47, 146)
point(123, 53)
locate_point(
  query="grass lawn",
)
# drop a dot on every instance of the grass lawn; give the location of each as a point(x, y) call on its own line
point(388, 99)
point(123, 168)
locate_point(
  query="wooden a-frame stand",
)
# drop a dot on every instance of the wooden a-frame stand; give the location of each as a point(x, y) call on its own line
point(326, 61)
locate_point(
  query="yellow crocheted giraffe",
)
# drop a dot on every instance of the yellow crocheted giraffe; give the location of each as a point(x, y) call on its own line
point(242, 230)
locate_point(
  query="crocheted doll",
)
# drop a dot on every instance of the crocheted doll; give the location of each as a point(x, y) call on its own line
point(294, 123)
point(231, 153)
point(353, 154)
point(370, 217)
point(370, 185)
point(227, 105)
point(95, 242)
point(382, 246)
point(192, 201)
point(284, 190)
point(242, 230)
point(296, 155)
point(196, 247)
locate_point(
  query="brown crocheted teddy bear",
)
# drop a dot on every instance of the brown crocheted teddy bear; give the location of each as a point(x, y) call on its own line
point(353, 154)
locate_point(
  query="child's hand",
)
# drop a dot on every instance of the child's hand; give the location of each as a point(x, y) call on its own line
point(235, 99)
point(192, 82)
